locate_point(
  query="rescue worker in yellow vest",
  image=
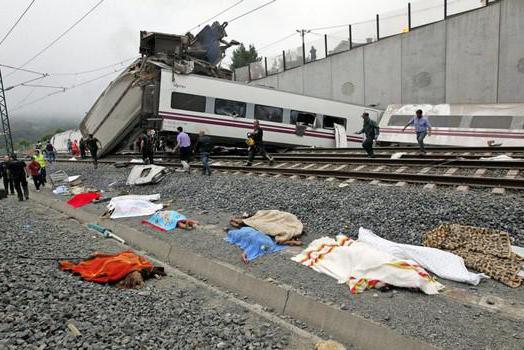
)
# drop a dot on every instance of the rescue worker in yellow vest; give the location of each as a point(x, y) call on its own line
point(39, 157)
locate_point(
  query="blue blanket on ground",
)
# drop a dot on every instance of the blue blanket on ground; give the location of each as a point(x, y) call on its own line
point(254, 243)
point(165, 220)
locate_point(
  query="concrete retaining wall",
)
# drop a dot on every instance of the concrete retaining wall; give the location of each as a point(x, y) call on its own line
point(475, 57)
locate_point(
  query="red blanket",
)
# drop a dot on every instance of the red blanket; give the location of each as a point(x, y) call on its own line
point(105, 268)
point(82, 199)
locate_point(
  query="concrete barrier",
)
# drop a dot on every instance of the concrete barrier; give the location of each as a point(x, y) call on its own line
point(343, 325)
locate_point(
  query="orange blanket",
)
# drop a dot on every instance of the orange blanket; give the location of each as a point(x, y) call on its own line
point(106, 268)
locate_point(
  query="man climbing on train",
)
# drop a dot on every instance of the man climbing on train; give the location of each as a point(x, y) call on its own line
point(371, 130)
point(256, 144)
point(422, 128)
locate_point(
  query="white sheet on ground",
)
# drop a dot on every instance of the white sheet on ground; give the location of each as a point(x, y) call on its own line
point(500, 157)
point(362, 266)
point(441, 263)
point(341, 137)
point(73, 178)
point(125, 208)
point(145, 197)
point(398, 155)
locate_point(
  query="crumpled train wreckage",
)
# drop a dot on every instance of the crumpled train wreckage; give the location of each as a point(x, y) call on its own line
point(129, 105)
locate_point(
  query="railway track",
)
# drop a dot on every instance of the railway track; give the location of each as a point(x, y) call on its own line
point(464, 173)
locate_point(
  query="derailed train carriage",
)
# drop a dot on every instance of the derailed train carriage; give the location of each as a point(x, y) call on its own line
point(177, 83)
point(461, 125)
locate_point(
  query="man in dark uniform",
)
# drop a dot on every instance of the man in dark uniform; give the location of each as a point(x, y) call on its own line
point(92, 144)
point(17, 171)
point(147, 147)
point(258, 147)
point(8, 182)
point(82, 147)
point(371, 130)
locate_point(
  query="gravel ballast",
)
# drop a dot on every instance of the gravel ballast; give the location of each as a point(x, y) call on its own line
point(38, 301)
point(398, 214)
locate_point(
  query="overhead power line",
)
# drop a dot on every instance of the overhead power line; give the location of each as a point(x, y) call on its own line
point(65, 89)
point(97, 69)
point(251, 11)
point(24, 83)
point(218, 14)
point(21, 69)
point(61, 35)
point(277, 41)
point(17, 21)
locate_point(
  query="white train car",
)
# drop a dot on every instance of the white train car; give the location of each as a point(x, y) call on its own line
point(226, 110)
point(473, 125)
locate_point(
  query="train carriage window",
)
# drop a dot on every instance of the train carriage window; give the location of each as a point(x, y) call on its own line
point(399, 120)
point(329, 122)
point(188, 102)
point(491, 122)
point(271, 114)
point(302, 118)
point(445, 121)
point(230, 108)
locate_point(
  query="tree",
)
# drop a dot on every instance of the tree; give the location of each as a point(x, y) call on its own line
point(242, 57)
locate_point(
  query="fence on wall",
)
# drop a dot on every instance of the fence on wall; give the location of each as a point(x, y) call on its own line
point(315, 46)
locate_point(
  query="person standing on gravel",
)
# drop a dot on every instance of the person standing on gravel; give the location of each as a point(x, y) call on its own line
point(204, 146)
point(17, 171)
point(422, 128)
point(92, 144)
point(258, 147)
point(184, 143)
point(39, 157)
point(371, 130)
point(34, 171)
point(82, 147)
point(50, 151)
point(4, 174)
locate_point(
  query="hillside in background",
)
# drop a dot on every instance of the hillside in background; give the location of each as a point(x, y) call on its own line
point(30, 130)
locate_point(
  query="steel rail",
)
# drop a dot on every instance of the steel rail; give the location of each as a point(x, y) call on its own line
point(415, 149)
point(505, 182)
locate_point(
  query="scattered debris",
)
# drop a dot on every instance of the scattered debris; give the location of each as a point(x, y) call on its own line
point(82, 199)
point(105, 232)
point(73, 330)
point(398, 155)
point(146, 174)
point(329, 345)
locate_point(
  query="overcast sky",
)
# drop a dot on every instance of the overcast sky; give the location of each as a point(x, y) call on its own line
point(111, 34)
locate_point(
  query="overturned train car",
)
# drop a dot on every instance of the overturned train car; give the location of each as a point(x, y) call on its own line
point(177, 83)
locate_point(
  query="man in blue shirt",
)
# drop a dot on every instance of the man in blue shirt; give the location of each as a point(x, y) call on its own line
point(422, 128)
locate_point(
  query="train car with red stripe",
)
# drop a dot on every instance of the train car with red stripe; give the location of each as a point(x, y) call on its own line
point(474, 125)
point(226, 110)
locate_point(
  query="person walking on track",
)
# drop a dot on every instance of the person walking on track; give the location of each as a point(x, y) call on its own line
point(184, 144)
point(148, 148)
point(256, 138)
point(371, 131)
point(34, 171)
point(204, 146)
point(17, 171)
point(93, 144)
point(422, 128)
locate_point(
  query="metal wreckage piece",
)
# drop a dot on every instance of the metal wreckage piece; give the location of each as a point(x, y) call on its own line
point(129, 104)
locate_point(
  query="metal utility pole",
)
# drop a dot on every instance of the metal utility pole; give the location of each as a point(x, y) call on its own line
point(303, 33)
point(6, 128)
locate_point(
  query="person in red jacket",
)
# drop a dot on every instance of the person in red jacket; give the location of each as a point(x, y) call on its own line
point(34, 170)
